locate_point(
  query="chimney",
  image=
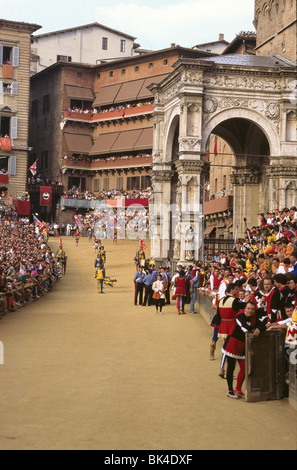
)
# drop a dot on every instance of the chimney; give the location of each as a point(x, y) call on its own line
point(221, 37)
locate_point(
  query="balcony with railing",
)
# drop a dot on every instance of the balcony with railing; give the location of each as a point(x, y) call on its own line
point(110, 114)
point(107, 164)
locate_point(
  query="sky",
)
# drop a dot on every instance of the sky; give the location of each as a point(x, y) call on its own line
point(156, 24)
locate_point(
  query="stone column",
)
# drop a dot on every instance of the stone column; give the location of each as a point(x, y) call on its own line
point(160, 214)
point(191, 227)
point(246, 181)
point(282, 176)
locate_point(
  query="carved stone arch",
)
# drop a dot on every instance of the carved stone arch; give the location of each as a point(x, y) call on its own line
point(266, 125)
point(171, 137)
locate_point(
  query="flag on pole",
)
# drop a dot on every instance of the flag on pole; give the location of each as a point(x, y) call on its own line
point(143, 245)
point(33, 168)
point(38, 224)
point(78, 221)
point(215, 151)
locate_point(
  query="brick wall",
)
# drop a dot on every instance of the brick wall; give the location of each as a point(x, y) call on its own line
point(275, 32)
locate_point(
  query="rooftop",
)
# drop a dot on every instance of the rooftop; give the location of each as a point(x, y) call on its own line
point(20, 25)
point(91, 25)
point(251, 60)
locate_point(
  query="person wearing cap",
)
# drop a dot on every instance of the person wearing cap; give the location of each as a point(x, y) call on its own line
point(148, 288)
point(139, 285)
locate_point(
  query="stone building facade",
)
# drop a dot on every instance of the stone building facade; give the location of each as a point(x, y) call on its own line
point(276, 25)
point(109, 147)
point(246, 100)
point(87, 44)
point(15, 52)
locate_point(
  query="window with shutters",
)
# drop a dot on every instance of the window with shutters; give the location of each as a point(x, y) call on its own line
point(123, 45)
point(104, 44)
point(9, 127)
point(133, 183)
point(9, 55)
point(4, 165)
point(120, 183)
point(96, 186)
point(145, 182)
point(8, 88)
point(14, 128)
point(12, 166)
point(4, 126)
point(46, 104)
point(106, 184)
point(34, 109)
point(64, 58)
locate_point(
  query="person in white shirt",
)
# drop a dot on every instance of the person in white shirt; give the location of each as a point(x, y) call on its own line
point(159, 296)
point(228, 278)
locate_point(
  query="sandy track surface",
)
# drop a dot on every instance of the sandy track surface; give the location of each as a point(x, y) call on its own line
point(88, 371)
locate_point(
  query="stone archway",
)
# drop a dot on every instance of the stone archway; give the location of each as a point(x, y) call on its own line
point(248, 106)
point(251, 144)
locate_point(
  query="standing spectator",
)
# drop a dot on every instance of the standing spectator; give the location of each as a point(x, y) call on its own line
point(180, 292)
point(234, 347)
point(139, 285)
point(228, 308)
point(159, 288)
point(148, 288)
point(267, 300)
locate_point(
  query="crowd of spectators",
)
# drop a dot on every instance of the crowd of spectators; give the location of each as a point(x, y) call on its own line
point(93, 111)
point(28, 267)
point(112, 158)
point(107, 223)
point(268, 249)
point(39, 180)
point(112, 194)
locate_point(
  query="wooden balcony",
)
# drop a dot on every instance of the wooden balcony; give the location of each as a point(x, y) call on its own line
point(116, 114)
point(108, 164)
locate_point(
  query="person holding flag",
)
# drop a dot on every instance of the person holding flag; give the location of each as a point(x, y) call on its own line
point(38, 225)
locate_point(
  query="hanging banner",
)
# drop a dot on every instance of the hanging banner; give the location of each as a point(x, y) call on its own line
point(45, 196)
point(23, 207)
point(5, 143)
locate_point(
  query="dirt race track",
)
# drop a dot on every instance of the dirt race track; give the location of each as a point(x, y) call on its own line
point(84, 371)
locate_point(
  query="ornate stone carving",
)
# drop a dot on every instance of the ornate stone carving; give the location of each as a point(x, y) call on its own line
point(239, 81)
point(162, 176)
point(280, 171)
point(192, 78)
point(272, 110)
point(210, 105)
point(189, 167)
point(246, 175)
point(189, 143)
